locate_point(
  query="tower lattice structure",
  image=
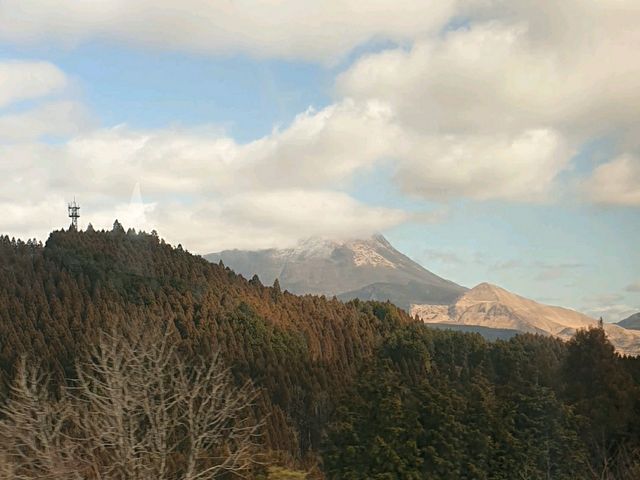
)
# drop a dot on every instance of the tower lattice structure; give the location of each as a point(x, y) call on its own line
point(74, 213)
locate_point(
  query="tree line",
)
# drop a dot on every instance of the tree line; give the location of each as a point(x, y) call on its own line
point(355, 390)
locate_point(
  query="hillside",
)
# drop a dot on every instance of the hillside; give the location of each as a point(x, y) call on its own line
point(490, 306)
point(355, 390)
point(57, 297)
point(368, 269)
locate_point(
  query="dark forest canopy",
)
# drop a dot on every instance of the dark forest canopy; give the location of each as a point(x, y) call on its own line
point(355, 390)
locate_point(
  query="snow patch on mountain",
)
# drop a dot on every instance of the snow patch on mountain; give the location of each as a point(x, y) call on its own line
point(364, 254)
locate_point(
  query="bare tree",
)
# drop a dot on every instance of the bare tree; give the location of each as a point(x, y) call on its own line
point(32, 438)
point(137, 410)
point(621, 464)
point(628, 463)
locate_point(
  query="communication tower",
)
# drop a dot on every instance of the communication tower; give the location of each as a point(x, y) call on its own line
point(74, 213)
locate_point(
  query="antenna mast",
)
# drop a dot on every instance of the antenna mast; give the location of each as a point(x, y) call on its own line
point(74, 213)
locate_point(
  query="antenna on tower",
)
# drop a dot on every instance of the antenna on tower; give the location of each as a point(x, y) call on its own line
point(74, 213)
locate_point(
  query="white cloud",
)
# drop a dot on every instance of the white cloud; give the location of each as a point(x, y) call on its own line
point(447, 257)
point(497, 108)
point(549, 272)
point(491, 110)
point(247, 220)
point(501, 76)
point(319, 149)
point(324, 147)
point(203, 189)
point(634, 287)
point(29, 170)
point(302, 29)
point(616, 182)
point(613, 306)
point(273, 218)
point(523, 167)
point(24, 217)
point(58, 119)
point(110, 161)
point(317, 212)
point(606, 298)
point(20, 80)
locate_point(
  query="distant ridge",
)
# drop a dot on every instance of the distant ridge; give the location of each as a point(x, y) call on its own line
point(372, 269)
point(491, 334)
point(369, 269)
point(632, 322)
point(490, 306)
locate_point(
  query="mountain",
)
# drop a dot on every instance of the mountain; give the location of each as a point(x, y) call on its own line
point(56, 299)
point(334, 380)
point(632, 322)
point(372, 269)
point(490, 306)
point(368, 269)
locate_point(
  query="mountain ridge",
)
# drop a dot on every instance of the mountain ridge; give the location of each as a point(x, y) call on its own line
point(351, 268)
point(632, 322)
point(332, 378)
point(487, 305)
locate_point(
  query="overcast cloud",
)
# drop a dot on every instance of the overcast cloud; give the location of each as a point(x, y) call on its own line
point(294, 29)
point(490, 108)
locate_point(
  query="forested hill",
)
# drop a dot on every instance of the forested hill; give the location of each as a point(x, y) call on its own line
point(57, 297)
point(355, 390)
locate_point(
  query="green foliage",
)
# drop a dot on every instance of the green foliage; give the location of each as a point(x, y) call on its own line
point(360, 387)
point(376, 437)
point(301, 351)
point(605, 396)
point(484, 410)
point(408, 348)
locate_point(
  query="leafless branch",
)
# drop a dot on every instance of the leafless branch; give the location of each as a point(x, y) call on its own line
point(137, 410)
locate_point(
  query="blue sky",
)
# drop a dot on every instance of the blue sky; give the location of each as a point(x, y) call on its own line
point(149, 89)
point(488, 150)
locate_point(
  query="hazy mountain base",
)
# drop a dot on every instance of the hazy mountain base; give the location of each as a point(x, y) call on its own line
point(491, 334)
point(352, 391)
point(632, 322)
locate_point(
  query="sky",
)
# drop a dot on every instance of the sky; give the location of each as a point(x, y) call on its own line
point(490, 140)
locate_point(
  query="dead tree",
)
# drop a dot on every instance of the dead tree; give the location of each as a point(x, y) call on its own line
point(33, 442)
point(138, 410)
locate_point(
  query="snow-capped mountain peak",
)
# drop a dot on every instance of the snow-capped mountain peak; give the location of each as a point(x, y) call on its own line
point(349, 268)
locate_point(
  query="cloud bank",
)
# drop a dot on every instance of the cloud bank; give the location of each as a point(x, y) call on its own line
point(292, 29)
point(22, 80)
point(488, 101)
point(199, 188)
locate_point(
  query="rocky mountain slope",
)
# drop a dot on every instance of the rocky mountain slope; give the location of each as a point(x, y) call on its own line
point(490, 306)
point(372, 269)
point(369, 269)
point(632, 322)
